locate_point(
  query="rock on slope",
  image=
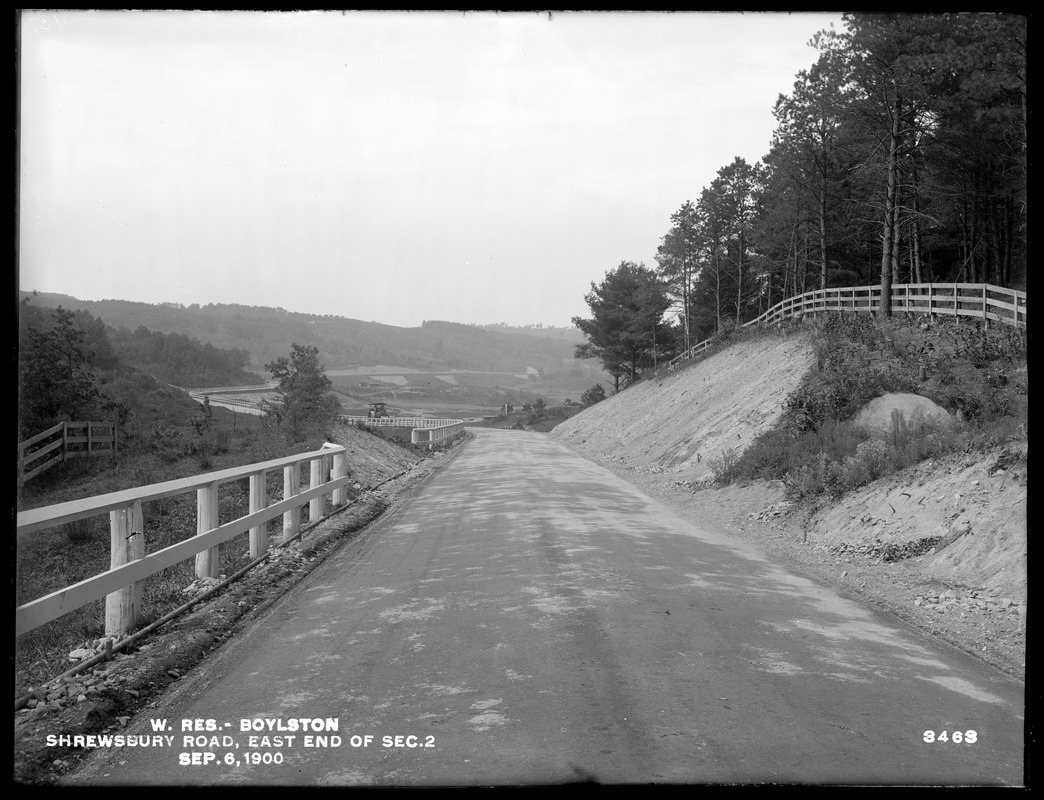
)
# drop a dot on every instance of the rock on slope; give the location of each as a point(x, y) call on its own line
point(682, 423)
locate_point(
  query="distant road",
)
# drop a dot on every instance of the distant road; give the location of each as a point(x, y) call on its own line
point(534, 619)
point(362, 372)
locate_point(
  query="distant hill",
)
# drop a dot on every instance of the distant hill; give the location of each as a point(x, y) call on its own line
point(267, 333)
point(568, 334)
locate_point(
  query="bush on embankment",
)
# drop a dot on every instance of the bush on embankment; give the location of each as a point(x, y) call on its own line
point(977, 374)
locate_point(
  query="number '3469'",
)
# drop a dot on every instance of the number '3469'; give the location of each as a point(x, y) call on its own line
point(969, 737)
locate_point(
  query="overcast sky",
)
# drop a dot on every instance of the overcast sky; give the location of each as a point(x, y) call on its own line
point(384, 166)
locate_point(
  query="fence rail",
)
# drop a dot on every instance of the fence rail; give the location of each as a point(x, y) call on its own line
point(264, 387)
point(122, 584)
point(399, 422)
point(239, 406)
point(64, 441)
point(426, 430)
point(979, 301)
point(257, 409)
point(442, 433)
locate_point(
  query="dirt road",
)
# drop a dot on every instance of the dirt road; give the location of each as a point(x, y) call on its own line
point(531, 618)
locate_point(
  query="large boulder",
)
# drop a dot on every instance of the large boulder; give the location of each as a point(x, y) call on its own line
point(876, 416)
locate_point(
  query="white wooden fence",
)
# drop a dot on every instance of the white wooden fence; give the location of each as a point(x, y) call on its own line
point(64, 441)
point(426, 430)
point(435, 435)
point(233, 403)
point(399, 422)
point(979, 301)
point(122, 584)
point(264, 387)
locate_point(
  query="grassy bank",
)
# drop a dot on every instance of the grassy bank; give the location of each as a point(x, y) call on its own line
point(979, 375)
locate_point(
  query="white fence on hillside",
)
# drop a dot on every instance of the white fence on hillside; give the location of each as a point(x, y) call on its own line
point(239, 406)
point(976, 301)
point(232, 403)
point(64, 441)
point(264, 387)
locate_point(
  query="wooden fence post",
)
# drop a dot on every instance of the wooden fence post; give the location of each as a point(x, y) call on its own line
point(207, 561)
point(327, 476)
point(985, 316)
point(930, 317)
point(340, 469)
point(127, 535)
point(317, 505)
point(291, 518)
point(258, 501)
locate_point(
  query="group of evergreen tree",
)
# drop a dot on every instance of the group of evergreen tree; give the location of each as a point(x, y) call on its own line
point(72, 366)
point(898, 157)
point(60, 357)
point(181, 360)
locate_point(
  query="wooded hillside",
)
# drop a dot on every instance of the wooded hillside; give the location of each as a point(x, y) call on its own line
point(266, 334)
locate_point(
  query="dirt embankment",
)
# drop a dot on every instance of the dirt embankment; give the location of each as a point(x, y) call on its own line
point(682, 423)
point(371, 459)
point(941, 545)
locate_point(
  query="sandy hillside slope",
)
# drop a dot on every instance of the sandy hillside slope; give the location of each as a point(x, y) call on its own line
point(942, 544)
point(682, 423)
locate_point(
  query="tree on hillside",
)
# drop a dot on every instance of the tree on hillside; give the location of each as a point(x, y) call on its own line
point(899, 156)
point(736, 191)
point(678, 261)
point(890, 115)
point(180, 359)
point(202, 422)
point(56, 374)
point(596, 394)
point(307, 404)
point(804, 146)
point(975, 173)
point(710, 278)
point(627, 331)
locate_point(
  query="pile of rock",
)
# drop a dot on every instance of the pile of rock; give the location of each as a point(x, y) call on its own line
point(91, 648)
point(705, 482)
point(972, 600)
point(890, 551)
point(201, 585)
point(777, 510)
point(70, 691)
